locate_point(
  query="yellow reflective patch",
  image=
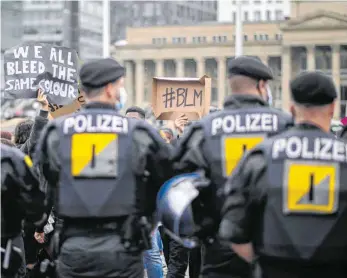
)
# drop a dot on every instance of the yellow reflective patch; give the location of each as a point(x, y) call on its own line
point(85, 147)
point(234, 148)
point(28, 161)
point(311, 187)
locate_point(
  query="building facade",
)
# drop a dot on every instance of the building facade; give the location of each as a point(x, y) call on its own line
point(155, 13)
point(316, 40)
point(76, 24)
point(253, 10)
point(11, 31)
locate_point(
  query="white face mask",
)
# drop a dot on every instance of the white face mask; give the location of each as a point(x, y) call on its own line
point(123, 98)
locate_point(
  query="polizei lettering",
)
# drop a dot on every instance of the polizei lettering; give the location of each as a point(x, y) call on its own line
point(96, 123)
point(255, 122)
point(306, 148)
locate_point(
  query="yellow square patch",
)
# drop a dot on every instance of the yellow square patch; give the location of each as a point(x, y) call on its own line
point(234, 148)
point(311, 187)
point(94, 155)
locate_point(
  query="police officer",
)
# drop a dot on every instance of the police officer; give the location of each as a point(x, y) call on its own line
point(288, 197)
point(217, 142)
point(104, 171)
point(21, 198)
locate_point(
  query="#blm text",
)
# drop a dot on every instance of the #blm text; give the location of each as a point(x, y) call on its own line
point(182, 97)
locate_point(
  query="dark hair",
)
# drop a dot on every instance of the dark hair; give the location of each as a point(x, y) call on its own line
point(138, 110)
point(7, 142)
point(7, 135)
point(22, 132)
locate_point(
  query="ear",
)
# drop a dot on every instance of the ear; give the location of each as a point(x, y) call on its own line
point(108, 90)
point(332, 109)
point(292, 109)
point(262, 84)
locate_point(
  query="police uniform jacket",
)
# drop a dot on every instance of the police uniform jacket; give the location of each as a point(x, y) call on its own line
point(205, 147)
point(21, 196)
point(295, 209)
point(86, 193)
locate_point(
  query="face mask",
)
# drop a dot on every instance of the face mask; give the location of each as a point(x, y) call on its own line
point(269, 95)
point(122, 98)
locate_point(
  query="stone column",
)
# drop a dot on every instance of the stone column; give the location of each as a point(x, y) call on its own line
point(336, 77)
point(129, 84)
point(311, 59)
point(159, 68)
point(221, 80)
point(179, 67)
point(200, 67)
point(286, 75)
point(139, 82)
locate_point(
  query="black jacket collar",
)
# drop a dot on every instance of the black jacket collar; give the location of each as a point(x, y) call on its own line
point(307, 126)
point(99, 105)
point(243, 100)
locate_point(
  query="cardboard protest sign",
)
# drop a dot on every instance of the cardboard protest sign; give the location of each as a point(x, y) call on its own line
point(60, 110)
point(172, 97)
point(53, 69)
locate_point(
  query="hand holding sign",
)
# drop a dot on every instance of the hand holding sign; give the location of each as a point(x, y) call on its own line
point(42, 99)
point(180, 123)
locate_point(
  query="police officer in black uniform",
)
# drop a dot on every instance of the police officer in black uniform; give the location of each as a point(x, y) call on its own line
point(217, 142)
point(288, 197)
point(104, 171)
point(21, 198)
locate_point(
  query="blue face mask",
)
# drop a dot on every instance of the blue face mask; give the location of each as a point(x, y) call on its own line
point(123, 99)
point(269, 95)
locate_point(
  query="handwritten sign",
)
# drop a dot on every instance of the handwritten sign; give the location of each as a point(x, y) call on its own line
point(53, 69)
point(172, 97)
point(75, 106)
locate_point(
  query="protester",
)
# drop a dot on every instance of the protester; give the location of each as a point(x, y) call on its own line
point(135, 112)
point(28, 145)
point(293, 217)
point(25, 137)
point(22, 132)
point(167, 134)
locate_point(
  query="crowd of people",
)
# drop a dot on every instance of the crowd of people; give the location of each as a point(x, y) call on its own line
point(86, 185)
